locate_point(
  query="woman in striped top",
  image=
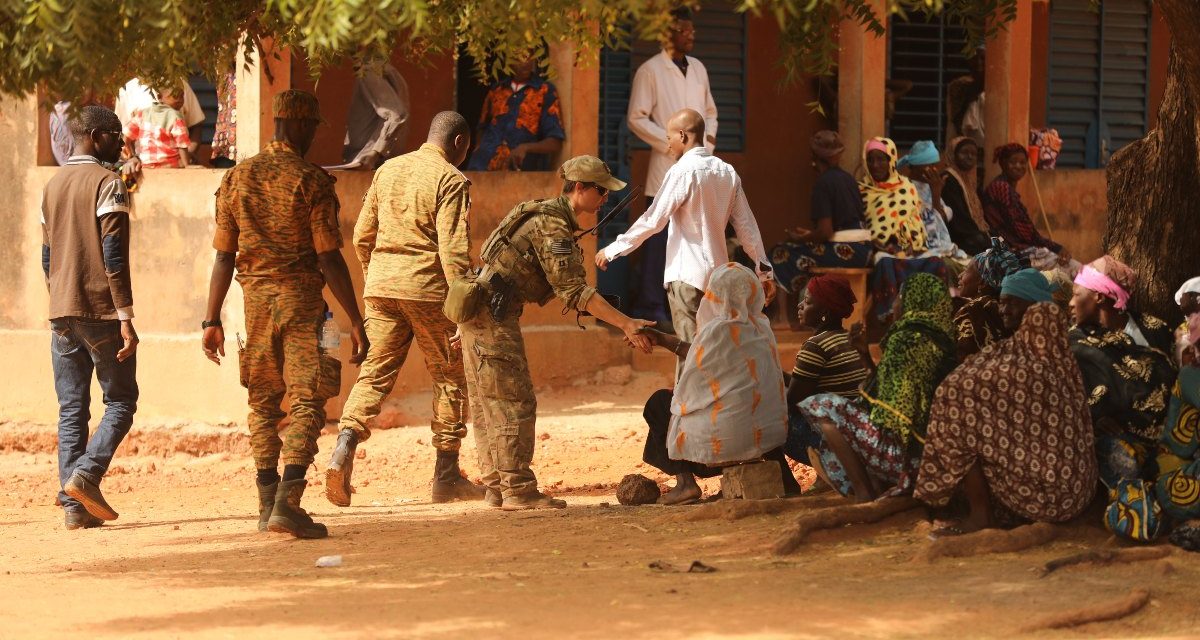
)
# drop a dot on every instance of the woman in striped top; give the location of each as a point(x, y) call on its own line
point(827, 363)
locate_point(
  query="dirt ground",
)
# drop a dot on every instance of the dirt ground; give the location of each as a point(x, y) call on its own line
point(185, 559)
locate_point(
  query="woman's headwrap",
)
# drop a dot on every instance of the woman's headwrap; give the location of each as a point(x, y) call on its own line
point(1027, 284)
point(923, 152)
point(1108, 277)
point(1191, 286)
point(834, 294)
point(1002, 153)
point(996, 263)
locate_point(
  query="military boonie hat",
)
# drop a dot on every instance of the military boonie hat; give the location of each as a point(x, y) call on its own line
point(296, 105)
point(590, 169)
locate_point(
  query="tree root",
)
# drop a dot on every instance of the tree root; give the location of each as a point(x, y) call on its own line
point(738, 509)
point(832, 517)
point(991, 541)
point(1105, 611)
point(1106, 557)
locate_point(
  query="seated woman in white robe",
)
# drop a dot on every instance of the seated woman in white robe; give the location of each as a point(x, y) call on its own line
point(728, 405)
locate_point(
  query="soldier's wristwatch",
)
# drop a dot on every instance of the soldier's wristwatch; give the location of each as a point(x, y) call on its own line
point(204, 324)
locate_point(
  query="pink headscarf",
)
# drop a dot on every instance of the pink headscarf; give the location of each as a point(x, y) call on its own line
point(1093, 280)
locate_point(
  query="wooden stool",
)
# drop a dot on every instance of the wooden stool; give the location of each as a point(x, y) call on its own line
point(752, 481)
point(858, 284)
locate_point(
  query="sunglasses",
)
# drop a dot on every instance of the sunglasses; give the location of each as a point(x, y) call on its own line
point(115, 132)
point(600, 190)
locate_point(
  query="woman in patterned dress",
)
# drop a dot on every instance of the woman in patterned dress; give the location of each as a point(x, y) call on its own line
point(1012, 428)
point(1127, 370)
point(871, 443)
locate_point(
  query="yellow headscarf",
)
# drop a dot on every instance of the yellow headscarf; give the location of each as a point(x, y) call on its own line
point(893, 208)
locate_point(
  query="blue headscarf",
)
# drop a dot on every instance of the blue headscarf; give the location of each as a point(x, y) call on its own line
point(1027, 284)
point(923, 152)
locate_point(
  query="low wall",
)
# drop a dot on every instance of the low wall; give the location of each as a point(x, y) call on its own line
point(1076, 203)
point(171, 259)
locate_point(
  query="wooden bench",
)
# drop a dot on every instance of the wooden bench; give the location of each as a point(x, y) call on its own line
point(858, 278)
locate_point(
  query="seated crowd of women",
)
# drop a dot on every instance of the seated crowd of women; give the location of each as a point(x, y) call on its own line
point(921, 213)
point(1008, 403)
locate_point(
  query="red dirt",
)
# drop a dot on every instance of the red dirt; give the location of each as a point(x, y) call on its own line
point(185, 558)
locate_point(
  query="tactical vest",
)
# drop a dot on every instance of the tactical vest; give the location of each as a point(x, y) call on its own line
point(512, 256)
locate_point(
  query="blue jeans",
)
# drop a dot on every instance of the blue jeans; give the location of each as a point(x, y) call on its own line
point(77, 347)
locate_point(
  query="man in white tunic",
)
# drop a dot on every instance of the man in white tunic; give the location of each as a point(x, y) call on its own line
point(663, 85)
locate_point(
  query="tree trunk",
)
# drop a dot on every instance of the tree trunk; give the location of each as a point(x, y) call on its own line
point(1154, 183)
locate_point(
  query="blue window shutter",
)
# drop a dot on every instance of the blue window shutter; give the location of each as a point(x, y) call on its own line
point(928, 52)
point(206, 93)
point(1099, 76)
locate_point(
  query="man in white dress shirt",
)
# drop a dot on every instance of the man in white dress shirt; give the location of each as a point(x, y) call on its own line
point(699, 196)
point(664, 84)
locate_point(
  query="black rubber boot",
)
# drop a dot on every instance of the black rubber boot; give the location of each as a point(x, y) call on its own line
point(266, 503)
point(288, 517)
point(341, 465)
point(448, 481)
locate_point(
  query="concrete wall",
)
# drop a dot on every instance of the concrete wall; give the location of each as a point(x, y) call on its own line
point(1076, 202)
point(172, 223)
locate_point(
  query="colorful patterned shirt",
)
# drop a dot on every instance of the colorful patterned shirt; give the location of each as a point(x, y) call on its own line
point(277, 211)
point(159, 132)
point(412, 235)
point(516, 116)
point(224, 144)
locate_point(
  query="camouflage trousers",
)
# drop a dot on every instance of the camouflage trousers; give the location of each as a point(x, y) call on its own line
point(502, 402)
point(392, 325)
point(281, 358)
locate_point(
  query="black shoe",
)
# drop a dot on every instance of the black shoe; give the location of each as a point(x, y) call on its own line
point(449, 483)
point(80, 519)
point(288, 517)
point(341, 465)
point(266, 502)
point(88, 493)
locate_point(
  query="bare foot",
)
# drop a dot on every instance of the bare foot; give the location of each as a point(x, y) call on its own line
point(681, 495)
point(960, 528)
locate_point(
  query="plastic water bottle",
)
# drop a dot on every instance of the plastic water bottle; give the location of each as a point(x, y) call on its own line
point(331, 334)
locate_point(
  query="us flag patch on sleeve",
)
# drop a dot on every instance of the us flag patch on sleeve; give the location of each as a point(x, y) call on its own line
point(562, 247)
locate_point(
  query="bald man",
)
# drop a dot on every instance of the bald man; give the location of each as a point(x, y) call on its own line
point(699, 196)
point(411, 238)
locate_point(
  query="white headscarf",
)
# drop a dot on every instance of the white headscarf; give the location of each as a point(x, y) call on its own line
point(729, 403)
point(1191, 286)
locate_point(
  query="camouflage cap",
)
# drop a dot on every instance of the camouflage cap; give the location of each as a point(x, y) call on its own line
point(296, 105)
point(590, 169)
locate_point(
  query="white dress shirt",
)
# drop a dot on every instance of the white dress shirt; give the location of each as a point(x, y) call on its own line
point(659, 90)
point(700, 195)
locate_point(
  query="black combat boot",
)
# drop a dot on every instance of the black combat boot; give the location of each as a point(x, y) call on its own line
point(266, 502)
point(448, 481)
point(288, 517)
point(341, 465)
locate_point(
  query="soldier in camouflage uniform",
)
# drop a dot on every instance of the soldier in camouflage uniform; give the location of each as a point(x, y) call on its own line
point(530, 257)
point(277, 221)
point(412, 239)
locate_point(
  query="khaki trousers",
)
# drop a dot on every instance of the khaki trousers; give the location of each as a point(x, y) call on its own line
point(392, 325)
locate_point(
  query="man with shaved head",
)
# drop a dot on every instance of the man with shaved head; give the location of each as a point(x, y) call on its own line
point(411, 238)
point(700, 195)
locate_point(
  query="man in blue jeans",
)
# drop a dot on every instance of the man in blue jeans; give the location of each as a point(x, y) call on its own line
point(85, 256)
